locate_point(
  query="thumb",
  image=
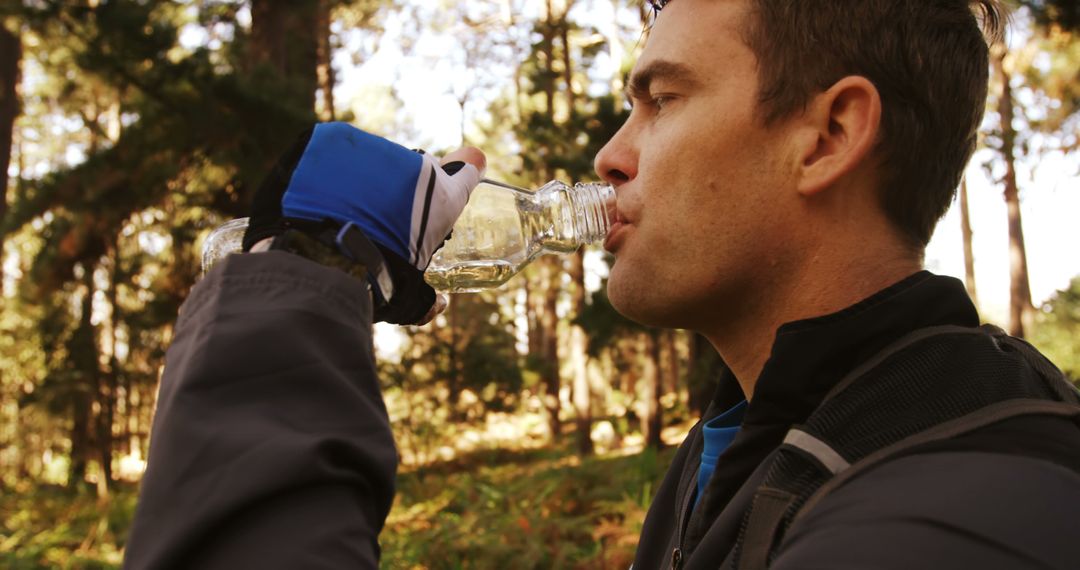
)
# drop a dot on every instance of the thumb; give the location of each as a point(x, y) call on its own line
point(468, 155)
point(446, 198)
point(465, 167)
point(462, 170)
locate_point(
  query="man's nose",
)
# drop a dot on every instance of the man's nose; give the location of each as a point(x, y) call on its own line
point(616, 163)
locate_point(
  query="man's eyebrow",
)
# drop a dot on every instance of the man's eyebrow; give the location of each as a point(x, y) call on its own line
point(638, 86)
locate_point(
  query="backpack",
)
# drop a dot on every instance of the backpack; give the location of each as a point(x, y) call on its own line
point(931, 385)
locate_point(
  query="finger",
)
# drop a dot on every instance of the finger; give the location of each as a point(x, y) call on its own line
point(441, 302)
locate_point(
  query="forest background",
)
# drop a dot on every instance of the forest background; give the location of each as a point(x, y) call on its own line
point(533, 421)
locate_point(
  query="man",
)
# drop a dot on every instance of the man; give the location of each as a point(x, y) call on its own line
point(777, 180)
point(805, 150)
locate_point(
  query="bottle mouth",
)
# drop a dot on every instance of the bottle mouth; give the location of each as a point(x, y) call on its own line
point(594, 210)
point(227, 238)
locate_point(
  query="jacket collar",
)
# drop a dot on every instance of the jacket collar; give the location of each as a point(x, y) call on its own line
point(810, 356)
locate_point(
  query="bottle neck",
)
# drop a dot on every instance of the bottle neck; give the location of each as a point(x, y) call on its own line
point(577, 215)
point(593, 206)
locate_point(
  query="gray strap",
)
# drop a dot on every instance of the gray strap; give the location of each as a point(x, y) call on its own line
point(770, 505)
point(991, 414)
point(765, 516)
point(827, 456)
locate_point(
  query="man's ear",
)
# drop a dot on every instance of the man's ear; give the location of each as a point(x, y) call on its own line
point(843, 124)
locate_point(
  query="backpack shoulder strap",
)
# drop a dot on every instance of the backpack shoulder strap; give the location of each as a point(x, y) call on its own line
point(772, 506)
point(989, 415)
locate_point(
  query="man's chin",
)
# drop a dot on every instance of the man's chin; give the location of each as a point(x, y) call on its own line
point(634, 301)
point(650, 304)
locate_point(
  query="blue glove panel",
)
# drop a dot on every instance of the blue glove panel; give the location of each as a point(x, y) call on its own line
point(348, 175)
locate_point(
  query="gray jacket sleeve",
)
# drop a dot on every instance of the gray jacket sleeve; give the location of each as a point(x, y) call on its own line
point(271, 446)
point(944, 510)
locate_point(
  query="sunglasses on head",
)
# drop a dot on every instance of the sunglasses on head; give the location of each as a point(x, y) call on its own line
point(656, 6)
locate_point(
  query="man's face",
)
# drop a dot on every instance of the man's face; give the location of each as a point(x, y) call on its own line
point(703, 187)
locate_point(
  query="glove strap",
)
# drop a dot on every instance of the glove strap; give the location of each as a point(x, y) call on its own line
point(344, 247)
point(356, 246)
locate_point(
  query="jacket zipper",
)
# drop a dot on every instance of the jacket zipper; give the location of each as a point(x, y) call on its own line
point(676, 554)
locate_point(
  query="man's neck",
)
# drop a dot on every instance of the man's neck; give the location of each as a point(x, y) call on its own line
point(824, 289)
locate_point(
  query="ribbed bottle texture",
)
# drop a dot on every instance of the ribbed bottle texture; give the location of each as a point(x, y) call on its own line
point(501, 230)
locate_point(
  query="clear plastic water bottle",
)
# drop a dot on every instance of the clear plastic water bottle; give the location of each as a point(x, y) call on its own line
point(502, 229)
point(225, 239)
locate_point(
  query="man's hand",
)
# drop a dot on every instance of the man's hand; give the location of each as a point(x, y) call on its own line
point(361, 189)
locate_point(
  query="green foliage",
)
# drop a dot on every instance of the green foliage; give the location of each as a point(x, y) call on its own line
point(560, 130)
point(1065, 13)
point(485, 339)
point(176, 139)
point(471, 347)
point(522, 509)
point(493, 509)
point(191, 116)
point(1049, 62)
point(48, 527)
point(1057, 331)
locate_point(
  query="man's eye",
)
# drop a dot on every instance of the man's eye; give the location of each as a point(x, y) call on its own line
point(659, 101)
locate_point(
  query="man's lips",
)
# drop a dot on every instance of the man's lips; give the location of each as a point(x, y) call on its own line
point(615, 234)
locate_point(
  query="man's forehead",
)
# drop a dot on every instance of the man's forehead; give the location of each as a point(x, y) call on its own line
point(696, 34)
point(730, 15)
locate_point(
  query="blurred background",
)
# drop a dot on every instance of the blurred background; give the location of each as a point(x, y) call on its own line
point(533, 421)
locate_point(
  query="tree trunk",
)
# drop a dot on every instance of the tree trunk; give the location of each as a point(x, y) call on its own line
point(568, 68)
point(533, 308)
point(107, 396)
point(706, 367)
point(10, 56)
point(80, 440)
point(965, 233)
point(1020, 307)
point(84, 359)
point(652, 420)
point(579, 359)
point(282, 61)
point(104, 438)
point(285, 36)
point(325, 68)
point(548, 51)
point(671, 368)
point(549, 349)
point(453, 384)
point(616, 50)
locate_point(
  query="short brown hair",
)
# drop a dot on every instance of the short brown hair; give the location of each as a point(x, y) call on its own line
point(930, 63)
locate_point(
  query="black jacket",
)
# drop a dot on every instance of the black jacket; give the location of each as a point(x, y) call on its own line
point(1005, 496)
point(271, 447)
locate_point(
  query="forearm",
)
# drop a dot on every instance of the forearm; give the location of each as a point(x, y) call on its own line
point(271, 444)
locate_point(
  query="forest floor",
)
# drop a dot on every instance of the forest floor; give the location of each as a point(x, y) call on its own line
point(499, 508)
